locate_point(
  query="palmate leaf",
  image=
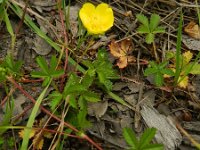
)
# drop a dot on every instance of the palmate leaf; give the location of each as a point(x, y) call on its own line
point(146, 137)
point(47, 71)
point(149, 27)
point(104, 70)
point(144, 141)
point(130, 138)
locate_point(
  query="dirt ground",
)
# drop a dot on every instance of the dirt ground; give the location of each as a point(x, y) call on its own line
point(173, 111)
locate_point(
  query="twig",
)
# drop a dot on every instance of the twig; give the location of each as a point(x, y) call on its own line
point(22, 19)
point(65, 42)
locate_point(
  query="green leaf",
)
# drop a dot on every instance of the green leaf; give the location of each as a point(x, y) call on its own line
point(130, 138)
point(87, 79)
point(8, 24)
point(82, 121)
point(56, 73)
point(2, 74)
point(38, 74)
point(146, 137)
point(153, 64)
point(143, 19)
point(178, 51)
point(149, 71)
point(169, 55)
point(195, 69)
point(143, 29)
point(73, 80)
point(88, 64)
point(91, 96)
point(149, 38)
point(46, 81)
point(154, 147)
point(158, 30)
point(167, 71)
point(159, 79)
point(55, 98)
point(12, 66)
point(73, 101)
point(82, 103)
point(32, 118)
point(163, 64)
point(42, 63)
point(53, 63)
point(78, 88)
point(108, 84)
point(154, 21)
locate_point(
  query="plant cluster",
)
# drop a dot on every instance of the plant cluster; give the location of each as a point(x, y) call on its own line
point(78, 89)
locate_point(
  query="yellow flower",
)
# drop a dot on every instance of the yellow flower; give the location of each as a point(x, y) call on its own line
point(98, 19)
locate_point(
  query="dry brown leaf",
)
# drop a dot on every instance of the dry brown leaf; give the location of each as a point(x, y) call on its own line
point(122, 51)
point(193, 30)
point(128, 13)
point(38, 143)
point(183, 83)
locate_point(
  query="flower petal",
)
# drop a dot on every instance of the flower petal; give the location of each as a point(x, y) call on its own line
point(85, 12)
point(106, 16)
point(96, 20)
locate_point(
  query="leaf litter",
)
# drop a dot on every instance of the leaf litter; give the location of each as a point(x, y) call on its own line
point(112, 117)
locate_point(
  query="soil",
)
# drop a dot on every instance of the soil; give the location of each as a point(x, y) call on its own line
point(172, 110)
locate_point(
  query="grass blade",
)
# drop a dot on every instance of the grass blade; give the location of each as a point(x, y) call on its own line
point(178, 51)
point(31, 119)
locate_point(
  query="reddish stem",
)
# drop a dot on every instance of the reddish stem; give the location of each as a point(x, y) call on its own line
point(50, 114)
point(66, 41)
point(7, 96)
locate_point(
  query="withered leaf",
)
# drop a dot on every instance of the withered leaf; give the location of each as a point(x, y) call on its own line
point(193, 30)
point(122, 51)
